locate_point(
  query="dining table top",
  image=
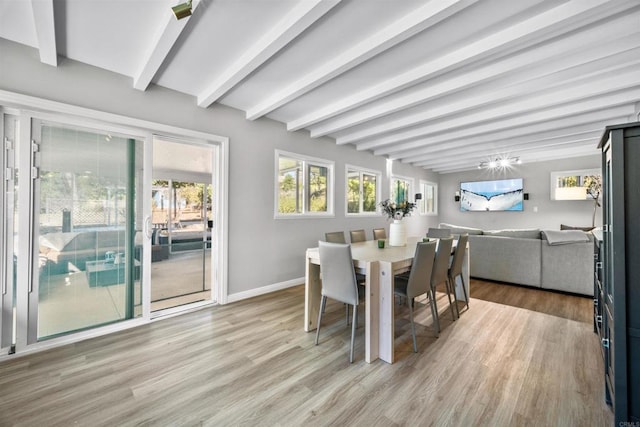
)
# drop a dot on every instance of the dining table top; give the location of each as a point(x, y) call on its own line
point(368, 251)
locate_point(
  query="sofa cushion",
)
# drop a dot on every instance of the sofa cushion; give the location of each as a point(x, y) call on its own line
point(564, 237)
point(457, 229)
point(533, 233)
point(505, 259)
point(568, 267)
point(572, 227)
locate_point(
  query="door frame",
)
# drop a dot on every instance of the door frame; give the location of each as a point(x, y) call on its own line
point(7, 268)
point(28, 107)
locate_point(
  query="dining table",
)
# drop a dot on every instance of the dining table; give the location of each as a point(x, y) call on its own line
point(380, 265)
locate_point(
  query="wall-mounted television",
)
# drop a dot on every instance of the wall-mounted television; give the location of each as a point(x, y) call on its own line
point(499, 195)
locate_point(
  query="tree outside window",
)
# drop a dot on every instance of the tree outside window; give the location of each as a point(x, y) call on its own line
point(362, 191)
point(303, 185)
point(317, 188)
point(290, 186)
point(353, 192)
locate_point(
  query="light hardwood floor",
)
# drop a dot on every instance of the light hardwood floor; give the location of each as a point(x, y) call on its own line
point(528, 357)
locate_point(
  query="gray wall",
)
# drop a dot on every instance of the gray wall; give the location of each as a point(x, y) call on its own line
point(550, 213)
point(254, 235)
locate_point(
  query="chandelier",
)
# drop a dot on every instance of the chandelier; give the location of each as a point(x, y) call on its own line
point(500, 162)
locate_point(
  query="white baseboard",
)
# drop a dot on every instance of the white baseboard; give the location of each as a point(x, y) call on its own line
point(264, 290)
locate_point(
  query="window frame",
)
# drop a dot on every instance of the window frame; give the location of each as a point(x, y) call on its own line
point(423, 201)
point(362, 171)
point(307, 162)
point(407, 179)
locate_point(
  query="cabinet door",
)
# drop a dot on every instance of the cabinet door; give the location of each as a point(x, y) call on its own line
point(608, 347)
point(606, 219)
point(607, 272)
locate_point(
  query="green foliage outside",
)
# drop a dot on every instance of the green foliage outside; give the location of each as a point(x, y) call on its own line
point(317, 189)
point(288, 198)
point(353, 194)
point(290, 190)
point(64, 185)
point(368, 194)
point(568, 181)
point(189, 192)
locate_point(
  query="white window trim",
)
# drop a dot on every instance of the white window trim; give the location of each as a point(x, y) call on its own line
point(435, 197)
point(412, 186)
point(361, 170)
point(330, 165)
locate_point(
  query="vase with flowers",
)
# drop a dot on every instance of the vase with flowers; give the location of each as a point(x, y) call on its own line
point(594, 188)
point(396, 212)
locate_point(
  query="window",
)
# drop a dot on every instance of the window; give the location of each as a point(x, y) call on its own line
point(304, 185)
point(362, 191)
point(428, 205)
point(401, 188)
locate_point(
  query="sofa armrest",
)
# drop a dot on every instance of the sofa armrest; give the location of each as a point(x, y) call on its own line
point(568, 267)
point(506, 259)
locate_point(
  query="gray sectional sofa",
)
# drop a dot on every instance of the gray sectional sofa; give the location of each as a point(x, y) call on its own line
point(549, 259)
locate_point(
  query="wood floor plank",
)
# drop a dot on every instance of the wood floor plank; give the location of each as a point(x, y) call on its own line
point(518, 356)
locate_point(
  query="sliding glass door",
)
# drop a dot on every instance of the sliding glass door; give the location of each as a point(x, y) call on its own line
point(87, 227)
point(101, 225)
point(182, 219)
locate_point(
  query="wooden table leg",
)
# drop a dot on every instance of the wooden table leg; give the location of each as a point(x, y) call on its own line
point(312, 295)
point(386, 321)
point(371, 312)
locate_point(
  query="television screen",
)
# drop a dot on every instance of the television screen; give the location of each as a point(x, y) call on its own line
point(500, 195)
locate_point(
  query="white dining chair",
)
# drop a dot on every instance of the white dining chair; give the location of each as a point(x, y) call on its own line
point(335, 237)
point(440, 272)
point(379, 233)
point(456, 269)
point(357, 236)
point(338, 282)
point(418, 283)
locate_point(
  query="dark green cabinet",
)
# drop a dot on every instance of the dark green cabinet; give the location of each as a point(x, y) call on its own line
point(617, 273)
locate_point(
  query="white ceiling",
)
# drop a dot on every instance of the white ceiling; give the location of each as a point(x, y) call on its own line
point(441, 84)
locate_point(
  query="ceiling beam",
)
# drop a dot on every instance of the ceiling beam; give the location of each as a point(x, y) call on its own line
point(513, 105)
point(506, 148)
point(478, 126)
point(411, 24)
point(567, 125)
point(44, 22)
point(562, 154)
point(502, 148)
point(549, 24)
point(472, 163)
point(291, 26)
point(170, 30)
point(533, 158)
point(572, 50)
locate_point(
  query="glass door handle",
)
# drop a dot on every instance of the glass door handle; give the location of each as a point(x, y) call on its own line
point(147, 226)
